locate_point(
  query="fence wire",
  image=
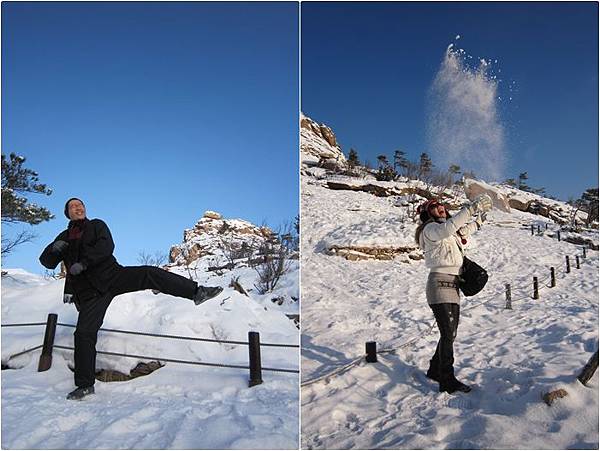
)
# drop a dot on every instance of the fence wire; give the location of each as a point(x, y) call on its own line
point(187, 362)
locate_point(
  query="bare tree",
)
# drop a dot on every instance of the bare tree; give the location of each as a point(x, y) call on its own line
point(8, 244)
point(158, 259)
point(276, 254)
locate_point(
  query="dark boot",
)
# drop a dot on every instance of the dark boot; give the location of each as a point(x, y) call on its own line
point(203, 294)
point(453, 385)
point(81, 392)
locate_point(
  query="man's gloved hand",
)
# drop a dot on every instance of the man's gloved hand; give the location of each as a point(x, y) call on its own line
point(58, 247)
point(481, 204)
point(77, 268)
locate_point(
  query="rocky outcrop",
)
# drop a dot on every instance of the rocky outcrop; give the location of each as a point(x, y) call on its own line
point(355, 253)
point(319, 146)
point(223, 238)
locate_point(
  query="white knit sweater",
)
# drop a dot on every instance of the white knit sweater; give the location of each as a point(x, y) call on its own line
point(441, 245)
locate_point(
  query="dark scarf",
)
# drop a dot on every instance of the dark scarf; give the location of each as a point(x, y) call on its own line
point(75, 231)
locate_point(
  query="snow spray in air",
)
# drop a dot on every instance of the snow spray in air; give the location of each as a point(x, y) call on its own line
point(464, 127)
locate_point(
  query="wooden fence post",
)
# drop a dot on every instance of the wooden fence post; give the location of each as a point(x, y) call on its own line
point(46, 358)
point(536, 293)
point(552, 278)
point(577, 262)
point(531, 229)
point(255, 364)
point(584, 255)
point(558, 234)
point(371, 349)
point(508, 297)
point(539, 230)
point(568, 264)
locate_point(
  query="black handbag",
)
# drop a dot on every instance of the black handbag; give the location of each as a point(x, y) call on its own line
point(472, 278)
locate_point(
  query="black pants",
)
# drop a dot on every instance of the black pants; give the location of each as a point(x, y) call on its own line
point(91, 313)
point(442, 363)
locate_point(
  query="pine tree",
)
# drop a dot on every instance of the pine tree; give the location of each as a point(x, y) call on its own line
point(590, 202)
point(400, 161)
point(17, 181)
point(453, 170)
point(385, 171)
point(353, 160)
point(425, 165)
point(522, 185)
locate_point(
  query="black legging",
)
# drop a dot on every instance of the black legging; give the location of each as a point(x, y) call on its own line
point(91, 313)
point(442, 362)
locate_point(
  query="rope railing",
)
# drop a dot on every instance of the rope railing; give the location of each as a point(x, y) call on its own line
point(187, 362)
point(183, 337)
point(253, 343)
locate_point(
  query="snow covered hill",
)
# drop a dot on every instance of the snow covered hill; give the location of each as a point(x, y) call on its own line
point(177, 406)
point(374, 291)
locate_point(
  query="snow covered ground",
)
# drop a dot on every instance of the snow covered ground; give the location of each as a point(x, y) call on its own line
point(510, 357)
point(178, 406)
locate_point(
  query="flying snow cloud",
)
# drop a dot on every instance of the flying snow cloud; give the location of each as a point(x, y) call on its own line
point(464, 127)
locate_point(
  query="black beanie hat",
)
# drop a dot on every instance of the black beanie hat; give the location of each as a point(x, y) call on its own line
point(67, 206)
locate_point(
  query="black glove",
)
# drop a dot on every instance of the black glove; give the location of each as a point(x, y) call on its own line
point(58, 247)
point(77, 268)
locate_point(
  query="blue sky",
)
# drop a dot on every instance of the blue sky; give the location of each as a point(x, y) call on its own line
point(367, 67)
point(153, 113)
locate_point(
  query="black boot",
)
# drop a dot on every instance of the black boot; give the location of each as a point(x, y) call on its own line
point(205, 293)
point(452, 385)
point(80, 392)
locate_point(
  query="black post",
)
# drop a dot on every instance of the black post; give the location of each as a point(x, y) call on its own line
point(508, 297)
point(568, 264)
point(558, 234)
point(552, 278)
point(536, 293)
point(371, 348)
point(546, 226)
point(577, 262)
point(539, 230)
point(532, 229)
point(255, 365)
point(46, 358)
point(589, 369)
point(584, 255)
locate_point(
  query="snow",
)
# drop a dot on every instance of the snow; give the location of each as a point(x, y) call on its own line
point(510, 357)
point(177, 406)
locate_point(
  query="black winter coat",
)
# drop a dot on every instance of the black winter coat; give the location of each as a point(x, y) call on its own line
point(95, 252)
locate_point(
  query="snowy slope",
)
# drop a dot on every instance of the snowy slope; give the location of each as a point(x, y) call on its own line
point(510, 356)
point(177, 406)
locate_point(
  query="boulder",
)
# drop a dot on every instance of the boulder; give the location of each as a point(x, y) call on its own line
point(212, 215)
point(474, 188)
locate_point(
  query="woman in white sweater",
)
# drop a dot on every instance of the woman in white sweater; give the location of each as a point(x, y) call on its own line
point(441, 237)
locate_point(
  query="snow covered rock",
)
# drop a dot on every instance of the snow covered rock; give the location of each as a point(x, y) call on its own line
point(319, 144)
point(221, 238)
point(474, 188)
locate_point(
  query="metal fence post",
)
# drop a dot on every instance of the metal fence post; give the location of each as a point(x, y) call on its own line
point(255, 364)
point(371, 349)
point(552, 278)
point(46, 358)
point(536, 293)
point(558, 234)
point(584, 255)
point(508, 297)
point(577, 262)
point(539, 230)
point(568, 264)
point(531, 229)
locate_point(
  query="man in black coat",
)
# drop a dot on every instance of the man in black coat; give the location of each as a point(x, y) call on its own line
point(94, 278)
